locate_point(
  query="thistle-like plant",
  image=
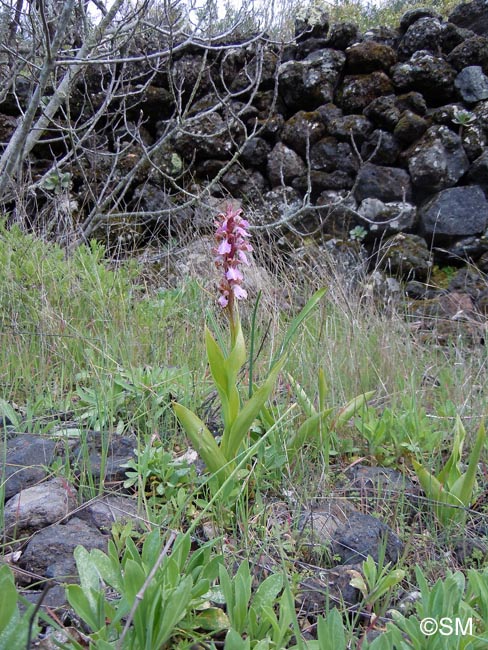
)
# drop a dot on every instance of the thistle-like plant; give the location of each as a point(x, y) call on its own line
point(232, 245)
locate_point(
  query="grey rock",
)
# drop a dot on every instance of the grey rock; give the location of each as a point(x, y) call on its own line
point(270, 127)
point(357, 91)
point(470, 550)
point(474, 141)
point(329, 154)
point(304, 48)
point(26, 459)
point(117, 451)
point(478, 172)
point(380, 481)
point(338, 212)
point(280, 204)
point(320, 181)
point(39, 506)
point(437, 160)
point(368, 56)
point(412, 101)
point(405, 256)
point(241, 182)
point(424, 34)
point(302, 130)
point(255, 153)
point(348, 127)
point(389, 217)
point(458, 211)
point(304, 85)
point(50, 552)
point(481, 112)
point(471, 51)
point(385, 183)
point(466, 249)
point(330, 588)
point(468, 280)
point(107, 510)
point(284, 165)
point(411, 16)
point(342, 35)
point(204, 136)
point(471, 15)
point(381, 148)
point(472, 84)
point(362, 535)
point(410, 127)
point(311, 23)
point(383, 112)
point(428, 74)
point(382, 34)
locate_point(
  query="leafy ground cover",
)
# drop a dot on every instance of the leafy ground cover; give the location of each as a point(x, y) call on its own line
point(84, 336)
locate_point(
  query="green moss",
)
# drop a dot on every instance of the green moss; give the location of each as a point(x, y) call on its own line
point(441, 276)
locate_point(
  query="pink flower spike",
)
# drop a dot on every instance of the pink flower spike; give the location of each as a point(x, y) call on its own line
point(231, 237)
point(239, 292)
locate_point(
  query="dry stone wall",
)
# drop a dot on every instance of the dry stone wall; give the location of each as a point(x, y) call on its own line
point(386, 131)
point(383, 134)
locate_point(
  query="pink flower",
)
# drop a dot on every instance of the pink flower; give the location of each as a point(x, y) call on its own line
point(239, 292)
point(231, 236)
point(234, 275)
point(224, 248)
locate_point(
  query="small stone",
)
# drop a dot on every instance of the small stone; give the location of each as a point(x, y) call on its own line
point(39, 506)
point(472, 84)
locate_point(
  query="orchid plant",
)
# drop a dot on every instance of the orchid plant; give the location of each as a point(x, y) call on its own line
point(232, 246)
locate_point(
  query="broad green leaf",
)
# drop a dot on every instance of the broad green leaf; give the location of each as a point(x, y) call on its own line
point(202, 440)
point(212, 619)
point(264, 644)
point(181, 550)
point(385, 584)
point(237, 356)
point(309, 429)
point(218, 369)
point(234, 641)
point(302, 398)
point(226, 589)
point(242, 584)
point(451, 470)
point(347, 412)
point(216, 360)
point(267, 591)
point(174, 609)
point(330, 631)
point(322, 389)
point(430, 485)
point(358, 582)
point(89, 576)
point(134, 577)
point(151, 549)
point(249, 412)
point(81, 601)
point(109, 571)
point(466, 492)
point(8, 597)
